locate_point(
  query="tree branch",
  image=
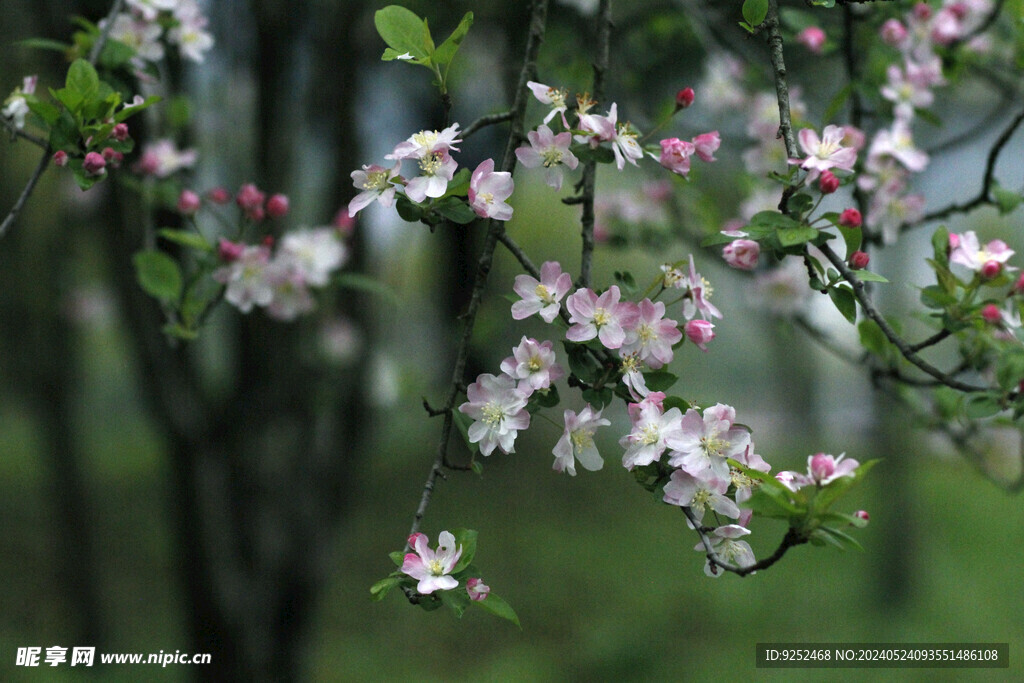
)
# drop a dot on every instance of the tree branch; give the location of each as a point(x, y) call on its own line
point(791, 539)
point(495, 229)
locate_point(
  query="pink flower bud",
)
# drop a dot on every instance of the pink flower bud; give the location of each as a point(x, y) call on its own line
point(114, 158)
point(675, 155)
point(229, 251)
point(188, 202)
point(94, 164)
point(742, 254)
point(120, 132)
point(344, 223)
point(700, 332)
point(954, 240)
point(706, 144)
point(858, 260)
point(991, 314)
point(893, 32)
point(412, 539)
point(277, 206)
point(813, 38)
point(250, 200)
point(850, 218)
point(822, 466)
point(991, 269)
point(828, 183)
point(922, 11)
point(1018, 286)
point(477, 589)
point(60, 158)
point(684, 98)
point(219, 195)
point(862, 514)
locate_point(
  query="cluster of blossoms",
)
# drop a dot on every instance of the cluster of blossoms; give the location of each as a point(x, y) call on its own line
point(431, 151)
point(822, 470)
point(276, 275)
point(988, 262)
point(148, 23)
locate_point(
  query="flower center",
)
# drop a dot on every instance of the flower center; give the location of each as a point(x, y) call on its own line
point(552, 157)
point(826, 149)
point(493, 414)
point(646, 333)
point(435, 567)
point(712, 445)
point(581, 439)
point(376, 180)
point(431, 163)
point(601, 317)
point(486, 197)
point(535, 364)
point(649, 435)
point(700, 499)
point(740, 480)
point(543, 294)
point(557, 97)
point(425, 138)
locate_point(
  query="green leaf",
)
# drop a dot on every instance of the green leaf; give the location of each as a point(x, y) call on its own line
point(842, 296)
point(659, 380)
point(754, 12)
point(467, 539)
point(676, 402)
point(837, 103)
point(456, 210)
point(1006, 200)
point(544, 398)
point(125, 114)
point(383, 587)
point(868, 276)
point(790, 237)
point(408, 211)
point(398, 557)
point(582, 363)
point(365, 283)
point(158, 274)
point(770, 502)
point(459, 184)
point(983, 405)
point(186, 238)
point(852, 237)
point(499, 608)
point(83, 80)
point(115, 54)
point(44, 110)
point(584, 152)
point(1010, 369)
point(940, 245)
point(445, 52)
point(801, 203)
point(599, 398)
point(457, 599)
point(872, 338)
point(828, 495)
point(838, 538)
point(43, 44)
point(179, 331)
point(404, 32)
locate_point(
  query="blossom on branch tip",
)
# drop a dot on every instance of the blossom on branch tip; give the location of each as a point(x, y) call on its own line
point(375, 183)
point(728, 549)
point(16, 106)
point(675, 155)
point(426, 143)
point(684, 98)
point(742, 254)
point(550, 151)
point(541, 296)
point(706, 144)
point(577, 441)
point(488, 190)
point(700, 332)
point(499, 410)
point(437, 168)
point(695, 299)
point(968, 252)
point(700, 493)
point(432, 567)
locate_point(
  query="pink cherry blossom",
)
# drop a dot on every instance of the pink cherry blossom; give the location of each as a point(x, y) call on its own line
point(969, 253)
point(555, 97)
point(598, 128)
point(313, 254)
point(825, 152)
point(700, 332)
point(532, 365)
point(541, 296)
point(477, 589)
point(246, 278)
point(653, 335)
point(432, 567)
point(499, 410)
point(375, 183)
point(728, 549)
point(577, 441)
point(162, 158)
point(488, 190)
point(813, 38)
point(700, 493)
point(706, 144)
point(601, 316)
point(704, 443)
point(550, 151)
point(625, 146)
point(675, 155)
point(898, 143)
point(427, 143)
point(436, 169)
point(742, 254)
point(652, 427)
point(695, 299)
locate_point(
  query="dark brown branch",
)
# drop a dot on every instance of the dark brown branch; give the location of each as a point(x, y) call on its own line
point(904, 348)
point(791, 539)
point(483, 121)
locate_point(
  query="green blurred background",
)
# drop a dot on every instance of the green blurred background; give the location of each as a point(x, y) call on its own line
point(133, 527)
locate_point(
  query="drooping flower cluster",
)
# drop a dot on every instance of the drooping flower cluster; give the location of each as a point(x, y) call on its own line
point(150, 23)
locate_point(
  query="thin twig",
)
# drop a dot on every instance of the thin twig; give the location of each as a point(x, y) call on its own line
point(484, 121)
point(791, 539)
point(587, 218)
point(538, 19)
point(905, 349)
